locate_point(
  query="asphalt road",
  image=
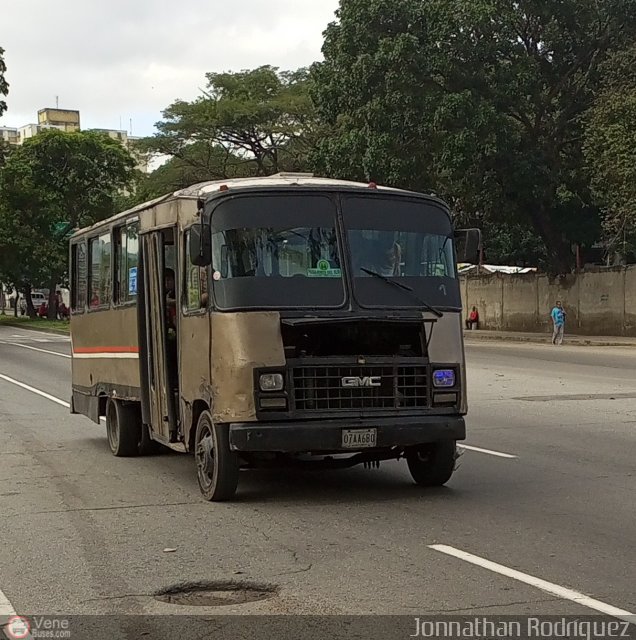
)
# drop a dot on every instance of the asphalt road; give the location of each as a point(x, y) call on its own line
point(83, 532)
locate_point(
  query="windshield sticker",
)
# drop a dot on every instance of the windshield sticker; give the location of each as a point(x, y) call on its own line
point(216, 275)
point(323, 270)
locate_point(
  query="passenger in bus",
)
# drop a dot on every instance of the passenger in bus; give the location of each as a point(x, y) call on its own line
point(171, 333)
point(171, 299)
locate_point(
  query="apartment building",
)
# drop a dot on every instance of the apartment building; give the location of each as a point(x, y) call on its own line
point(69, 120)
point(9, 135)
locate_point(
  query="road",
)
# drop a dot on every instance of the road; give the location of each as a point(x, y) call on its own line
point(83, 532)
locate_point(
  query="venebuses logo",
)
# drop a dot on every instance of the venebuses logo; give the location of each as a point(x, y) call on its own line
point(18, 628)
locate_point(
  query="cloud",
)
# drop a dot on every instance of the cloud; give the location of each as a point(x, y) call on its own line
point(121, 59)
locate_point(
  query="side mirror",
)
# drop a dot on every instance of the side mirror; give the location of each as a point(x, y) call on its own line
point(224, 261)
point(468, 245)
point(201, 245)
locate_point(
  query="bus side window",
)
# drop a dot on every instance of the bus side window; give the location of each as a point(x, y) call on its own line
point(126, 260)
point(99, 276)
point(78, 283)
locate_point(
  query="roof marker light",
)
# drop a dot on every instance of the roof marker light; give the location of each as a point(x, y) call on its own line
point(373, 185)
point(224, 187)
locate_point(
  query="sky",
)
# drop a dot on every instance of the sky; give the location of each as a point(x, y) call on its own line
point(119, 61)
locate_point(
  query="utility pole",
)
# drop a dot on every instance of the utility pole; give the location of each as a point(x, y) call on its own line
point(57, 102)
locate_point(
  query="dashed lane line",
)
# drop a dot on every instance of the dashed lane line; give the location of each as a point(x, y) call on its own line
point(490, 452)
point(549, 587)
point(26, 346)
point(43, 394)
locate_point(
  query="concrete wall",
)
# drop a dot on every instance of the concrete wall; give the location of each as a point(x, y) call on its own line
point(598, 302)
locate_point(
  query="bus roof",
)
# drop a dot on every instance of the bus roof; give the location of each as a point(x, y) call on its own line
point(203, 189)
point(277, 180)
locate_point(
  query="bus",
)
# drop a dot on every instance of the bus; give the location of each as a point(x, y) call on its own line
point(283, 320)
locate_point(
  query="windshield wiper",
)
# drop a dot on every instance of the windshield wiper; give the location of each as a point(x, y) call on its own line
point(404, 287)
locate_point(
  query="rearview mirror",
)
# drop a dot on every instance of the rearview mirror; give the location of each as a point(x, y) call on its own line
point(468, 245)
point(200, 245)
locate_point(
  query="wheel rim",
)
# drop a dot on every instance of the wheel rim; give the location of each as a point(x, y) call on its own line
point(425, 454)
point(113, 427)
point(205, 458)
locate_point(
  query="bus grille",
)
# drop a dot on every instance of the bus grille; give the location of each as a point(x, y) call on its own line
point(324, 388)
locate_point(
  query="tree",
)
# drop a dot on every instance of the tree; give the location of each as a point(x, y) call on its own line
point(253, 122)
point(54, 183)
point(4, 85)
point(480, 101)
point(197, 162)
point(610, 149)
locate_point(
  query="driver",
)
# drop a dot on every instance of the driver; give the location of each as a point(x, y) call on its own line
point(387, 255)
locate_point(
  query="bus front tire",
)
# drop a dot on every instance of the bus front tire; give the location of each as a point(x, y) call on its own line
point(123, 428)
point(217, 465)
point(432, 465)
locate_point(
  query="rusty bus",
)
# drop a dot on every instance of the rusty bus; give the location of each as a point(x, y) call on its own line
point(272, 321)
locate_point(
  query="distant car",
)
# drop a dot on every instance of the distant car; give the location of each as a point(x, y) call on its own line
point(38, 299)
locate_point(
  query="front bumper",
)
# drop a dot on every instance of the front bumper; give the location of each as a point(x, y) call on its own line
point(326, 435)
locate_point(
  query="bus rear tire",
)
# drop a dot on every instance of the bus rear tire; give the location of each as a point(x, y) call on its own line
point(432, 465)
point(123, 427)
point(217, 465)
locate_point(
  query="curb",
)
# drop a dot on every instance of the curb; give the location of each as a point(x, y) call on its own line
point(568, 340)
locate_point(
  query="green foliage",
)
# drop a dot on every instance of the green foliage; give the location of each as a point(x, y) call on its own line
point(197, 162)
point(4, 85)
point(252, 122)
point(54, 183)
point(480, 101)
point(610, 148)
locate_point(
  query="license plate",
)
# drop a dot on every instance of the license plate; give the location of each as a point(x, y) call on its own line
point(359, 438)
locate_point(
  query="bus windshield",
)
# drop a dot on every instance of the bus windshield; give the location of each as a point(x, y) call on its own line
point(406, 240)
point(276, 252)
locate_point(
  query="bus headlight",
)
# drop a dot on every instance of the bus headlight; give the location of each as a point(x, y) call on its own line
point(444, 378)
point(271, 382)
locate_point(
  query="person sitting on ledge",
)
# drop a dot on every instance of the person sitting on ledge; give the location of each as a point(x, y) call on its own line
point(473, 319)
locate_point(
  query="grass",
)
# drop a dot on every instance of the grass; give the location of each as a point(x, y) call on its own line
point(39, 324)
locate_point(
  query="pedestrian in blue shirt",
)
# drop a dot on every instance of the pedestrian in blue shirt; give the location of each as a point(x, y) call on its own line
point(558, 321)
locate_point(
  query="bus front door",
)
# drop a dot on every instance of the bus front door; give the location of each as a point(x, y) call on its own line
point(159, 343)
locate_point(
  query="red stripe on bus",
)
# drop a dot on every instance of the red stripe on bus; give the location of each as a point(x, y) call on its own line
point(106, 350)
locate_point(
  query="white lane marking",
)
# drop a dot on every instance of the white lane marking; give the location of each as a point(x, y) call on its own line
point(17, 383)
point(106, 356)
point(40, 393)
point(6, 608)
point(35, 335)
point(26, 346)
point(490, 452)
point(549, 587)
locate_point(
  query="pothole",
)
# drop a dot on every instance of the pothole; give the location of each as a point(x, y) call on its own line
point(216, 594)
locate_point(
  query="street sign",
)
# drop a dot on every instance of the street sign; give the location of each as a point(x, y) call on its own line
point(62, 230)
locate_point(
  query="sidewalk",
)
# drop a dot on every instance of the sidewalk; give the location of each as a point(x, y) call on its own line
point(544, 338)
point(61, 327)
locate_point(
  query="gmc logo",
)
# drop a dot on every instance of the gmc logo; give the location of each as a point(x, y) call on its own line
point(367, 381)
